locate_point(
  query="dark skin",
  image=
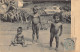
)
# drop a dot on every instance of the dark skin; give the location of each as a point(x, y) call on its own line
point(19, 38)
point(35, 24)
point(55, 31)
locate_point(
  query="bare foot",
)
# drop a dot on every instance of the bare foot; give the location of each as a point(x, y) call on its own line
point(24, 45)
point(56, 49)
point(50, 48)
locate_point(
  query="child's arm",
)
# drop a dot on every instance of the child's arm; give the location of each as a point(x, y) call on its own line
point(23, 40)
point(15, 39)
point(39, 20)
point(60, 30)
point(52, 28)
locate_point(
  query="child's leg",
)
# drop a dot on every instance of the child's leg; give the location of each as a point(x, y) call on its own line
point(51, 39)
point(23, 44)
point(37, 32)
point(13, 43)
point(57, 41)
point(33, 35)
point(33, 29)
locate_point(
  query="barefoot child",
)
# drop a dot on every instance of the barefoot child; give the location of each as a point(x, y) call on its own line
point(56, 29)
point(19, 38)
point(35, 24)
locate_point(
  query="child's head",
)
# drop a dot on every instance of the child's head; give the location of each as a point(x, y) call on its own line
point(57, 17)
point(35, 9)
point(19, 30)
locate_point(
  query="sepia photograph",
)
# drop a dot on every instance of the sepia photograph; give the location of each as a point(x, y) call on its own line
point(35, 26)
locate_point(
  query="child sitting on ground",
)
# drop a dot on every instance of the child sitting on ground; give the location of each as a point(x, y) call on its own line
point(19, 38)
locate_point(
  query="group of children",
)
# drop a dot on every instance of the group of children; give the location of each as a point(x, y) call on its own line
point(55, 29)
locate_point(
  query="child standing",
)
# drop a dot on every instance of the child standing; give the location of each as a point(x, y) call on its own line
point(56, 29)
point(35, 24)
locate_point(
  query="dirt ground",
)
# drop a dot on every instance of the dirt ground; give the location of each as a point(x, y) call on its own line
point(8, 31)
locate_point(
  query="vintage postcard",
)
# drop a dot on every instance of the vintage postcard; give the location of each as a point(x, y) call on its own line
point(37, 26)
point(75, 13)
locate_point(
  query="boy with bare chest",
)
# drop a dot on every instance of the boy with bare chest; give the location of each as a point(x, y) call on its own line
point(35, 24)
point(19, 38)
point(56, 29)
